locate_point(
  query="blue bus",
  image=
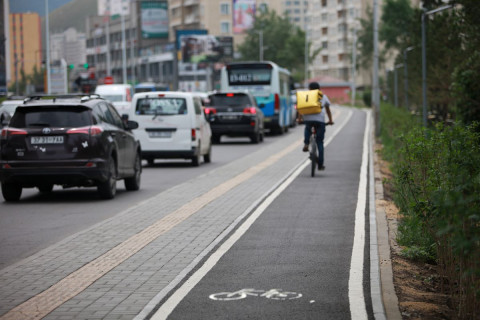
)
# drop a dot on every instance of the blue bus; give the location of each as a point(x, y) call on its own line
point(269, 84)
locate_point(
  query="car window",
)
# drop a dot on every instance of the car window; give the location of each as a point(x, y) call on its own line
point(107, 115)
point(117, 120)
point(197, 102)
point(57, 117)
point(161, 106)
point(230, 100)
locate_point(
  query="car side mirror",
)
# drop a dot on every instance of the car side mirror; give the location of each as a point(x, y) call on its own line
point(131, 125)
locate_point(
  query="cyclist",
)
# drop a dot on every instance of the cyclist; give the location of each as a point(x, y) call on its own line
point(317, 120)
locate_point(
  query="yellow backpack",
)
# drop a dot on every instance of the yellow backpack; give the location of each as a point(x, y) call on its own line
point(309, 101)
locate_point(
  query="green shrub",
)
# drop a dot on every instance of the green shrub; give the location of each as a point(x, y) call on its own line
point(367, 98)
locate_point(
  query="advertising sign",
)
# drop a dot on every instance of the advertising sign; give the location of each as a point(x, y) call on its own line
point(154, 19)
point(243, 15)
point(205, 48)
point(113, 7)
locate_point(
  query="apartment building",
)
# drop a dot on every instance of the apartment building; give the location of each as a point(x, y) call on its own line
point(25, 44)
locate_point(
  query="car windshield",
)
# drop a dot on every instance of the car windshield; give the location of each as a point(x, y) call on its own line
point(161, 106)
point(230, 100)
point(51, 117)
point(113, 97)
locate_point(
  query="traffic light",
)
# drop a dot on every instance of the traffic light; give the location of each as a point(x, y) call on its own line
point(71, 66)
point(85, 65)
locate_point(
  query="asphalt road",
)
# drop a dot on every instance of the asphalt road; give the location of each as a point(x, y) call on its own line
point(41, 220)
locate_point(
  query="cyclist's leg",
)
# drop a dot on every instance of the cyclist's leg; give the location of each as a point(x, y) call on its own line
point(307, 132)
point(320, 126)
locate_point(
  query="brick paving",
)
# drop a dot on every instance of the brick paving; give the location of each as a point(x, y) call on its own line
point(115, 268)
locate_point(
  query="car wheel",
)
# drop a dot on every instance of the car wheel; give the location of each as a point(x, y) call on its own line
point(216, 139)
point(45, 188)
point(108, 189)
point(133, 183)
point(208, 156)
point(196, 158)
point(11, 191)
point(255, 137)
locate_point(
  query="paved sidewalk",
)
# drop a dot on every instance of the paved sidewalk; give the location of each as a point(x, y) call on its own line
point(115, 268)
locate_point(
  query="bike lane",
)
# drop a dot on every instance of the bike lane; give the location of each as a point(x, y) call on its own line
point(294, 261)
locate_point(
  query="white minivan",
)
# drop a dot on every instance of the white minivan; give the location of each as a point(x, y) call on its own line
point(171, 125)
point(120, 95)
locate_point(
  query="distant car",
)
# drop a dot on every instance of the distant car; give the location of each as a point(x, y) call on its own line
point(171, 125)
point(120, 95)
point(72, 142)
point(235, 114)
point(7, 108)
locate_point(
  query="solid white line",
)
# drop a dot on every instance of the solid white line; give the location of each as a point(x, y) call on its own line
point(355, 282)
point(164, 311)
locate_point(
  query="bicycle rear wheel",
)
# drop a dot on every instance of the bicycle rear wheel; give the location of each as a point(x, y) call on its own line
point(313, 157)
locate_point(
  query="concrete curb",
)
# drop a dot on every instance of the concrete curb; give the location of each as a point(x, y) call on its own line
point(389, 296)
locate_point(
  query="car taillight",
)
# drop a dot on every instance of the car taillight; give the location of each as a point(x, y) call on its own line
point(92, 130)
point(194, 134)
point(6, 132)
point(250, 110)
point(210, 111)
point(277, 102)
point(230, 95)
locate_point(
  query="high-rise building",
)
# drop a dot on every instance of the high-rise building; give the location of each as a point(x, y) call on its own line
point(25, 43)
point(69, 45)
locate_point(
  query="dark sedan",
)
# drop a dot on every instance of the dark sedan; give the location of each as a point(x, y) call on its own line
point(235, 114)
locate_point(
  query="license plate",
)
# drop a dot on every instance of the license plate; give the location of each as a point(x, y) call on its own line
point(229, 117)
point(159, 134)
point(47, 140)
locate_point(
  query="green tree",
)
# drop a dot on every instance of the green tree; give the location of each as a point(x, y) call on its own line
point(283, 43)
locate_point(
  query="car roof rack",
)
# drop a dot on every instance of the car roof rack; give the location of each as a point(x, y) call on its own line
point(82, 96)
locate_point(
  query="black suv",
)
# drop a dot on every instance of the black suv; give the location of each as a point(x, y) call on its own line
point(78, 141)
point(234, 114)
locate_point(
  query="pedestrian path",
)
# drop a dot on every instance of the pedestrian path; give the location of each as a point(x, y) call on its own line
point(116, 268)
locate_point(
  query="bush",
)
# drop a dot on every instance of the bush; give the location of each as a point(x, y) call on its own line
point(437, 188)
point(367, 98)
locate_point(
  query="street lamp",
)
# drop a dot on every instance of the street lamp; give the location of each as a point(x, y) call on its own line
point(260, 44)
point(406, 74)
point(424, 60)
point(47, 49)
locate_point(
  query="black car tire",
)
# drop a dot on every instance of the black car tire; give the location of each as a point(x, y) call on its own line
point(255, 137)
point(45, 188)
point(108, 188)
point(11, 192)
point(196, 158)
point(133, 183)
point(208, 156)
point(216, 139)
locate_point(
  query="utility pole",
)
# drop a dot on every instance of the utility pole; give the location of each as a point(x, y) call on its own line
point(47, 49)
point(375, 91)
point(406, 74)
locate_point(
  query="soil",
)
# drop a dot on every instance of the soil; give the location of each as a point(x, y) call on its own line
point(418, 285)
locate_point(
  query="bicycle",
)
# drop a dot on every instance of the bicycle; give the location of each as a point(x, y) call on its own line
point(313, 147)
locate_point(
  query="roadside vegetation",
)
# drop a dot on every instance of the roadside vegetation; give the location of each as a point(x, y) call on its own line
point(436, 180)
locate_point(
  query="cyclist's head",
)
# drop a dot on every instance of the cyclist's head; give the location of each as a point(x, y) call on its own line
point(313, 86)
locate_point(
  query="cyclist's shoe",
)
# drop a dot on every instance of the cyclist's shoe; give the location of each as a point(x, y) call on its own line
point(321, 168)
point(305, 148)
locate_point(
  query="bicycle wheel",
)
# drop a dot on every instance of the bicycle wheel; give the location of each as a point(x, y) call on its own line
point(313, 157)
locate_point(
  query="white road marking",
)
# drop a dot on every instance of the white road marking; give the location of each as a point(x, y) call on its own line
point(355, 282)
point(164, 311)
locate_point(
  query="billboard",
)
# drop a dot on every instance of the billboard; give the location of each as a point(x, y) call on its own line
point(198, 48)
point(154, 19)
point(113, 7)
point(243, 15)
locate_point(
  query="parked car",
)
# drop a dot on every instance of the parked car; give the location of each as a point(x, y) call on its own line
point(120, 95)
point(171, 125)
point(235, 114)
point(72, 142)
point(7, 108)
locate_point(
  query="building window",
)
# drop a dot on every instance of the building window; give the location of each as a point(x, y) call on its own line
point(263, 7)
point(225, 8)
point(341, 56)
point(324, 44)
point(324, 31)
point(324, 3)
point(225, 27)
point(288, 3)
point(324, 59)
point(342, 27)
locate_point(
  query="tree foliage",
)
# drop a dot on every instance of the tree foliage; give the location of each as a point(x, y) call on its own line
point(283, 43)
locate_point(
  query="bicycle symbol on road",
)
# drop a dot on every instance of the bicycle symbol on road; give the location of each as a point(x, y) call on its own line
point(274, 294)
